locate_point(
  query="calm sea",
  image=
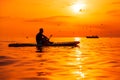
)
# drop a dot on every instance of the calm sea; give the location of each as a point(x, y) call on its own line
point(94, 59)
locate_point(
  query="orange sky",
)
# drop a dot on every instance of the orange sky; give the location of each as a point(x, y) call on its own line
point(25, 17)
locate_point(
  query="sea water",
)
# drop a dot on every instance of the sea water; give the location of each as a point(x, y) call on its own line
point(93, 59)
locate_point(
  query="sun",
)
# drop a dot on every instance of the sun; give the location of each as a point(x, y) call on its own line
point(78, 7)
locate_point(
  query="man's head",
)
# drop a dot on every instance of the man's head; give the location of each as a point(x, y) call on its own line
point(41, 30)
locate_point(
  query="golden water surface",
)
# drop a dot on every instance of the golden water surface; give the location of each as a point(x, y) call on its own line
point(94, 59)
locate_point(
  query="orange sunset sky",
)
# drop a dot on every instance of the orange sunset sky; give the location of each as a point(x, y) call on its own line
point(60, 17)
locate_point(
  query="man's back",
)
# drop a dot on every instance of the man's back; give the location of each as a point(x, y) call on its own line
point(39, 38)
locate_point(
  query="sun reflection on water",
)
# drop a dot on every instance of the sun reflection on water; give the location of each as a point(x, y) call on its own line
point(79, 73)
point(77, 38)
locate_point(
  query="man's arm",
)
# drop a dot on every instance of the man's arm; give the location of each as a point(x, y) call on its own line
point(45, 37)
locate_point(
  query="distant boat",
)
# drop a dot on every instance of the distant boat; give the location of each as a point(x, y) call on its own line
point(92, 36)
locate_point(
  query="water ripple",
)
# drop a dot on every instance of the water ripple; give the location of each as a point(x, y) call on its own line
point(35, 78)
point(6, 60)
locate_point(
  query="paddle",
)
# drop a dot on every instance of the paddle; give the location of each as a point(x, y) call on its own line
point(50, 36)
point(49, 39)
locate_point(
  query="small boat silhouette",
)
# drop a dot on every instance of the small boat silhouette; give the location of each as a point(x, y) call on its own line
point(92, 36)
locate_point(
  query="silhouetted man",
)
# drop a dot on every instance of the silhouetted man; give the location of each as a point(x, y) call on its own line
point(41, 39)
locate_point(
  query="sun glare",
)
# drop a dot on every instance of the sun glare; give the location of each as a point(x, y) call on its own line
point(77, 8)
point(77, 39)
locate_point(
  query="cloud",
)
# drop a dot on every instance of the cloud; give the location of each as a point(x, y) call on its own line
point(5, 17)
point(115, 9)
point(116, 3)
point(53, 20)
point(114, 12)
point(50, 19)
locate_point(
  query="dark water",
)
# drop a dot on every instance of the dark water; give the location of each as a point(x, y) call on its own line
point(94, 59)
